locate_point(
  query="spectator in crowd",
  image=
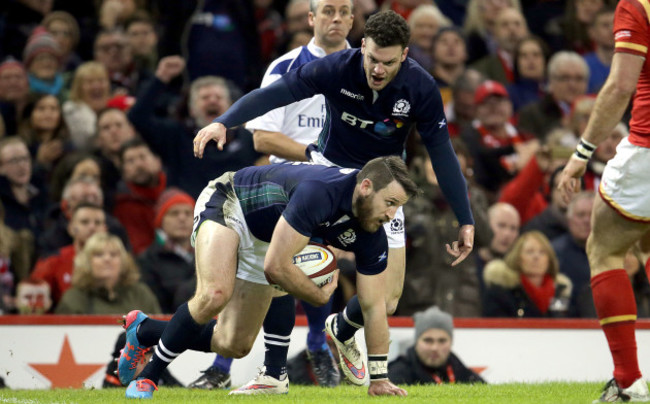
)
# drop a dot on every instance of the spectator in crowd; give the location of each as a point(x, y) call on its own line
point(425, 21)
point(172, 140)
point(504, 223)
point(479, 26)
point(270, 28)
point(106, 281)
point(571, 29)
point(601, 32)
point(19, 19)
point(143, 181)
point(33, 297)
point(115, 13)
point(509, 28)
point(231, 24)
point(76, 191)
point(87, 219)
point(531, 190)
point(527, 282)
point(72, 167)
point(44, 131)
point(430, 360)
point(568, 75)
point(42, 59)
point(14, 90)
point(296, 16)
point(143, 40)
point(449, 53)
point(89, 94)
point(570, 247)
point(530, 58)
point(169, 262)
point(16, 252)
point(496, 146)
point(113, 130)
point(461, 111)
point(580, 113)
point(65, 30)
point(429, 220)
point(112, 49)
point(20, 192)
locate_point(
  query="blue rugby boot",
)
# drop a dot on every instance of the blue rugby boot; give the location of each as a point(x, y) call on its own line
point(141, 388)
point(133, 352)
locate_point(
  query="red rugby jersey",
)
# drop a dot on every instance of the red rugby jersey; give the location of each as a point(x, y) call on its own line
point(632, 35)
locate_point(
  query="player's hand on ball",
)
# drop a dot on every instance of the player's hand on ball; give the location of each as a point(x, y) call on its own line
point(385, 388)
point(329, 288)
point(215, 131)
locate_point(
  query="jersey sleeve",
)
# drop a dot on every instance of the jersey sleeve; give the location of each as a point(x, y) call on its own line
point(371, 252)
point(311, 78)
point(273, 120)
point(631, 27)
point(310, 205)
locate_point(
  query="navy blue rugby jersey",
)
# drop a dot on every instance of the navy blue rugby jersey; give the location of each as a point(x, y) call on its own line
point(362, 124)
point(316, 201)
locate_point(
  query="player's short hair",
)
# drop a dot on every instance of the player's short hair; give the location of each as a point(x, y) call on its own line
point(383, 170)
point(387, 28)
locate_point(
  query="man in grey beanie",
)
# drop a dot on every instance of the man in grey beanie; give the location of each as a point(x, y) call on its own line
point(430, 360)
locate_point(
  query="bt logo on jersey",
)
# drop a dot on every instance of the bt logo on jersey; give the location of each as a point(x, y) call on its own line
point(353, 120)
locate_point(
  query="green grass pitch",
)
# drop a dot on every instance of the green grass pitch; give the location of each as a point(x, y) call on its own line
point(551, 393)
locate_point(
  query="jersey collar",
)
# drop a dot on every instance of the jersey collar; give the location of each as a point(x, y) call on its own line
point(317, 50)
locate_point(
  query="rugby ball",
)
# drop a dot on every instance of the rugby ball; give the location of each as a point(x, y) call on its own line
point(316, 261)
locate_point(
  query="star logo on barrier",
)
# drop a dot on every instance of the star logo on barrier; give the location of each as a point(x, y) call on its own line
point(66, 372)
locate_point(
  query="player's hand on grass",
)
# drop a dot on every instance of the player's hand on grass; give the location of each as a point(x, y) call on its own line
point(569, 182)
point(385, 388)
point(460, 249)
point(215, 131)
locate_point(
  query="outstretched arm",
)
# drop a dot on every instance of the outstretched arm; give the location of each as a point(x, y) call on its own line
point(252, 105)
point(370, 290)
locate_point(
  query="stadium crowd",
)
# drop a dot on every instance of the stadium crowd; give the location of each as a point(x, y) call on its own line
point(98, 110)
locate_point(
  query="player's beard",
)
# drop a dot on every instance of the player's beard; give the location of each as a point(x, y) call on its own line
point(363, 208)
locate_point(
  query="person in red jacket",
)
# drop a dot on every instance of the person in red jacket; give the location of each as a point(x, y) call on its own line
point(143, 180)
point(87, 219)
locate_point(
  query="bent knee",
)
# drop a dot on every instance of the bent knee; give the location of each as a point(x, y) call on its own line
point(232, 348)
point(213, 300)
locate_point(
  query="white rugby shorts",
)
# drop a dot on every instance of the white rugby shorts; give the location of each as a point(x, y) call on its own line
point(625, 185)
point(219, 203)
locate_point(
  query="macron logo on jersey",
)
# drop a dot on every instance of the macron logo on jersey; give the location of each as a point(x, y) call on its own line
point(352, 95)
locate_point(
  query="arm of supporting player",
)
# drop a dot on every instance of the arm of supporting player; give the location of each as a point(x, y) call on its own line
point(278, 265)
point(614, 97)
point(451, 180)
point(256, 103)
point(279, 144)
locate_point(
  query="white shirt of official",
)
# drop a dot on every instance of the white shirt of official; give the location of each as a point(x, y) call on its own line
point(301, 121)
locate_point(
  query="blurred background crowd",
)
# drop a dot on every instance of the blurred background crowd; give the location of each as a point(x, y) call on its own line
point(98, 181)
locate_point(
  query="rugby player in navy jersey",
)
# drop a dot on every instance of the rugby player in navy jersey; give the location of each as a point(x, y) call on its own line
point(249, 225)
point(374, 96)
point(283, 134)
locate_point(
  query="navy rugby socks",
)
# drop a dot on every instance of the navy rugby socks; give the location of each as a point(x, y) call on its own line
point(278, 325)
point(181, 333)
point(349, 320)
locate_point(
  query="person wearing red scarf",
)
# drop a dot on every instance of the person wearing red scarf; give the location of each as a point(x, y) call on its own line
point(527, 282)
